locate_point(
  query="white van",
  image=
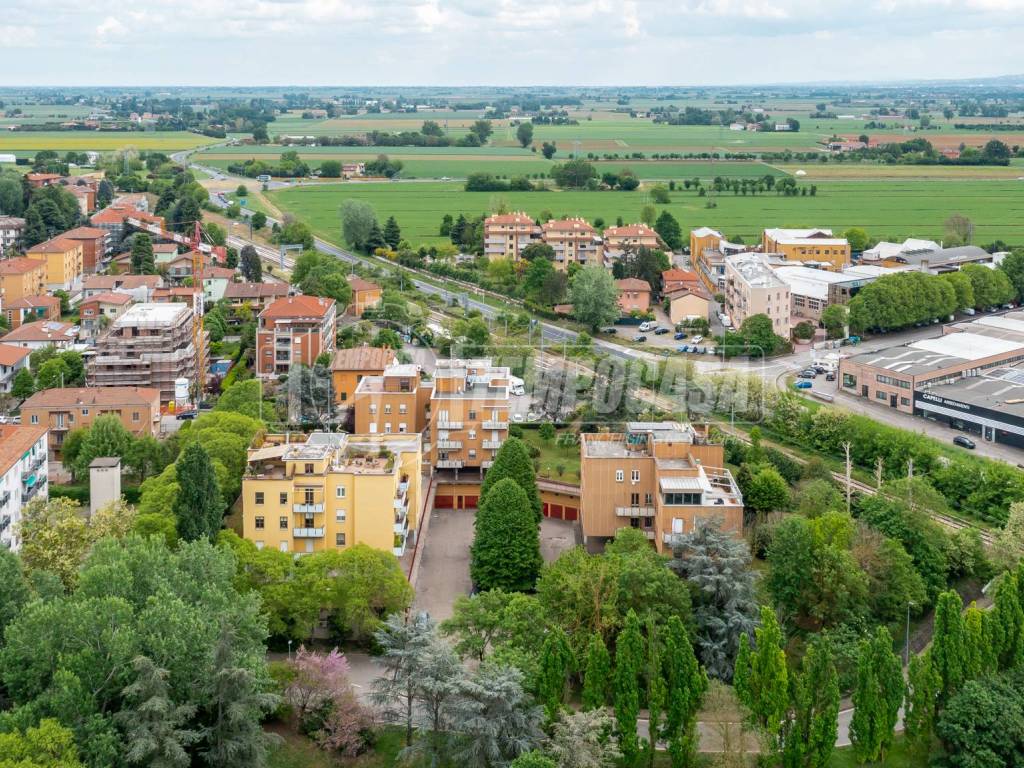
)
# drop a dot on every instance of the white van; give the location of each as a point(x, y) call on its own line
point(517, 385)
point(647, 325)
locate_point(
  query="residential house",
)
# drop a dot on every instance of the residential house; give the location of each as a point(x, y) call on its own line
point(150, 345)
point(256, 295)
point(113, 220)
point(365, 295)
point(688, 304)
point(810, 246)
point(23, 476)
point(753, 288)
point(634, 295)
point(139, 287)
point(396, 400)
point(64, 263)
point(327, 491)
point(65, 409)
point(574, 241)
point(12, 360)
point(11, 229)
point(632, 237)
point(675, 279)
point(97, 312)
point(469, 413)
point(37, 180)
point(20, 277)
point(662, 478)
point(94, 246)
point(349, 366)
point(507, 234)
point(43, 333)
point(29, 308)
point(294, 329)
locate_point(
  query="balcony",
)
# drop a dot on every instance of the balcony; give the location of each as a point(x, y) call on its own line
point(486, 464)
point(401, 524)
point(650, 534)
point(494, 425)
point(449, 424)
point(637, 511)
point(492, 445)
point(38, 462)
point(450, 464)
point(308, 533)
point(5, 498)
point(308, 508)
point(5, 521)
point(449, 445)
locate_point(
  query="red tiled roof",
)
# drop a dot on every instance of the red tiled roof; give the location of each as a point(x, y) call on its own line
point(110, 297)
point(15, 439)
point(509, 218)
point(359, 284)
point(255, 290)
point(84, 233)
point(11, 355)
point(20, 265)
point(675, 275)
point(217, 273)
point(569, 225)
point(109, 282)
point(31, 302)
point(54, 245)
point(40, 330)
point(631, 230)
point(298, 306)
point(632, 284)
point(98, 396)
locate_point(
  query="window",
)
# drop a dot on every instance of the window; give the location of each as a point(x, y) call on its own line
point(283, 522)
point(849, 380)
point(85, 411)
point(373, 408)
point(339, 539)
point(387, 427)
point(284, 546)
point(340, 516)
point(472, 453)
point(373, 427)
point(283, 498)
point(259, 522)
point(880, 395)
point(402, 427)
point(403, 408)
point(309, 469)
point(344, 396)
point(634, 499)
point(686, 499)
point(620, 475)
point(635, 475)
point(340, 491)
point(35, 419)
point(648, 498)
point(904, 401)
point(135, 416)
point(259, 497)
point(472, 415)
point(307, 496)
point(901, 383)
point(387, 408)
point(259, 545)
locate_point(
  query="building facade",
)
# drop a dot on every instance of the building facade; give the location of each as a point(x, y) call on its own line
point(94, 246)
point(12, 360)
point(64, 263)
point(574, 241)
point(97, 312)
point(811, 246)
point(396, 400)
point(752, 288)
point(661, 478)
point(632, 237)
point(28, 309)
point(328, 491)
point(21, 277)
point(350, 366)
point(469, 413)
point(23, 476)
point(634, 295)
point(292, 331)
point(507, 234)
point(11, 229)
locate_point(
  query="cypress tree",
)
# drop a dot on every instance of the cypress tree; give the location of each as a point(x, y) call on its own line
point(656, 692)
point(867, 723)
point(375, 239)
point(198, 507)
point(811, 730)
point(741, 672)
point(922, 699)
point(629, 653)
point(506, 548)
point(555, 665)
point(685, 684)
point(392, 233)
point(891, 688)
point(948, 643)
point(597, 675)
point(768, 686)
point(142, 255)
point(513, 461)
point(974, 642)
point(1007, 621)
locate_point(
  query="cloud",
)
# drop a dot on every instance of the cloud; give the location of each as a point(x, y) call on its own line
point(110, 27)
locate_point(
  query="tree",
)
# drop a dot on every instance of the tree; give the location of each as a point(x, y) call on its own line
point(948, 644)
point(835, 318)
point(506, 548)
point(1013, 266)
point(891, 688)
point(959, 229)
point(142, 255)
point(857, 238)
point(153, 723)
point(47, 745)
point(717, 565)
point(198, 506)
point(533, 759)
point(921, 704)
point(766, 491)
point(548, 149)
point(52, 374)
point(575, 173)
point(669, 230)
point(14, 588)
point(330, 169)
point(962, 287)
point(597, 674)
point(648, 215)
point(983, 725)
point(250, 264)
point(357, 222)
point(524, 134)
point(185, 214)
point(556, 661)
point(375, 239)
point(595, 299)
point(991, 287)
point(392, 233)
point(867, 724)
point(762, 680)
point(583, 740)
point(320, 691)
point(628, 668)
point(483, 130)
point(685, 685)
point(106, 437)
point(812, 723)
point(404, 646)
point(1007, 624)
point(513, 461)
point(547, 431)
point(759, 334)
point(258, 219)
point(24, 384)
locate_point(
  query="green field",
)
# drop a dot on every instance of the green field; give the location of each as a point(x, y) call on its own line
point(892, 209)
point(101, 141)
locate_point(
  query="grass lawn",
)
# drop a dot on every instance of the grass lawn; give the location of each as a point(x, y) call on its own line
point(887, 208)
point(102, 141)
point(898, 757)
point(552, 456)
point(299, 752)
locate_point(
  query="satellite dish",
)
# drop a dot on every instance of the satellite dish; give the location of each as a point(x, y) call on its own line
point(800, 173)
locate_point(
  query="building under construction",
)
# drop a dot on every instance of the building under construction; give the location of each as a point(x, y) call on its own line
point(150, 345)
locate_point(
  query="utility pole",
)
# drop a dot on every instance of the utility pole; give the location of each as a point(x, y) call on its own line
point(846, 449)
point(878, 472)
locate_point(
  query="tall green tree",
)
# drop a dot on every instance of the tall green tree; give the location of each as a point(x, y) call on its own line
point(106, 437)
point(891, 688)
point(922, 701)
point(654, 673)
point(153, 723)
point(597, 674)
point(555, 666)
point(24, 384)
point(629, 659)
point(685, 684)
point(1013, 266)
point(524, 134)
point(392, 233)
point(198, 506)
point(250, 264)
point(1007, 635)
point(669, 230)
point(506, 548)
point(812, 724)
point(513, 461)
point(142, 255)
point(762, 679)
point(357, 221)
point(867, 726)
point(948, 644)
point(975, 641)
point(594, 297)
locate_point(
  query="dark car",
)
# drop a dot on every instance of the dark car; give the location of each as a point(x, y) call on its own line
point(679, 336)
point(640, 338)
point(806, 375)
point(964, 442)
point(830, 376)
point(610, 329)
point(660, 331)
point(186, 415)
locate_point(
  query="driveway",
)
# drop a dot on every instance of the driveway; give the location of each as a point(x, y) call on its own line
point(556, 536)
point(444, 567)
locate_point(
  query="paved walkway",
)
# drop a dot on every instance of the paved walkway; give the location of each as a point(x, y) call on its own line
point(444, 568)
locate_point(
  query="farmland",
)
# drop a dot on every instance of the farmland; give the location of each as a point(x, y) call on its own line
point(889, 208)
point(30, 142)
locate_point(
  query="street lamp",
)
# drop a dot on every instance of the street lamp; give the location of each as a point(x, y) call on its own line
point(290, 649)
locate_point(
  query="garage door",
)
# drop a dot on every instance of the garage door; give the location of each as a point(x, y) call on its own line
point(472, 501)
point(571, 513)
point(556, 511)
point(444, 502)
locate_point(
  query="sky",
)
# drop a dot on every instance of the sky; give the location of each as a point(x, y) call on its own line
point(504, 42)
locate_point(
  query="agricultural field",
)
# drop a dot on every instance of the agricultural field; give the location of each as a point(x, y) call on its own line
point(888, 208)
point(26, 143)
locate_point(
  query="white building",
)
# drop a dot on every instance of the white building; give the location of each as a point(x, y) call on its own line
point(753, 288)
point(12, 360)
point(23, 472)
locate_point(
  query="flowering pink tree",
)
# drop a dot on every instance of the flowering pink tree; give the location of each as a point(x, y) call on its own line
point(320, 688)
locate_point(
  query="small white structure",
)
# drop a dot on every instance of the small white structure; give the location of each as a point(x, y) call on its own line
point(104, 482)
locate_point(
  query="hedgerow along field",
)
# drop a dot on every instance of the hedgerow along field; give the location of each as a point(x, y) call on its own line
point(28, 142)
point(891, 209)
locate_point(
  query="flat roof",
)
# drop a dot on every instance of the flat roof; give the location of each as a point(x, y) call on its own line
point(935, 354)
point(968, 346)
point(151, 313)
point(1000, 389)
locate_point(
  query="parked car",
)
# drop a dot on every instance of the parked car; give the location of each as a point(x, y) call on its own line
point(830, 376)
point(610, 329)
point(640, 338)
point(647, 325)
point(807, 374)
point(517, 418)
point(697, 339)
point(679, 336)
point(683, 348)
point(819, 368)
point(964, 442)
point(802, 385)
point(186, 415)
point(661, 331)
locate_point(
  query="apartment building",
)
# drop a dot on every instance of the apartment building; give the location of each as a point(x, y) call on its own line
point(64, 263)
point(574, 241)
point(350, 366)
point(11, 228)
point(708, 250)
point(97, 312)
point(469, 413)
point(20, 277)
point(810, 246)
point(94, 246)
point(507, 234)
point(12, 360)
point(396, 400)
point(23, 476)
point(139, 287)
point(62, 410)
point(659, 477)
point(675, 279)
point(43, 333)
point(632, 237)
point(112, 219)
point(256, 295)
point(294, 330)
point(327, 491)
point(150, 345)
point(31, 308)
point(634, 295)
point(753, 288)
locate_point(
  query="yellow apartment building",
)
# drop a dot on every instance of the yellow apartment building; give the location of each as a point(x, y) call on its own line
point(507, 234)
point(64, 262)
point(311, 493)
point(659, 477)
point(816, 246)
point(396, 401)
point(469, 413)
point(21, 277)
point(349, 366)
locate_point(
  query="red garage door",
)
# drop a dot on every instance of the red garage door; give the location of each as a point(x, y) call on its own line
point(471, 502)
point(444, 502)
point(571, 513)
point(556, 511)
